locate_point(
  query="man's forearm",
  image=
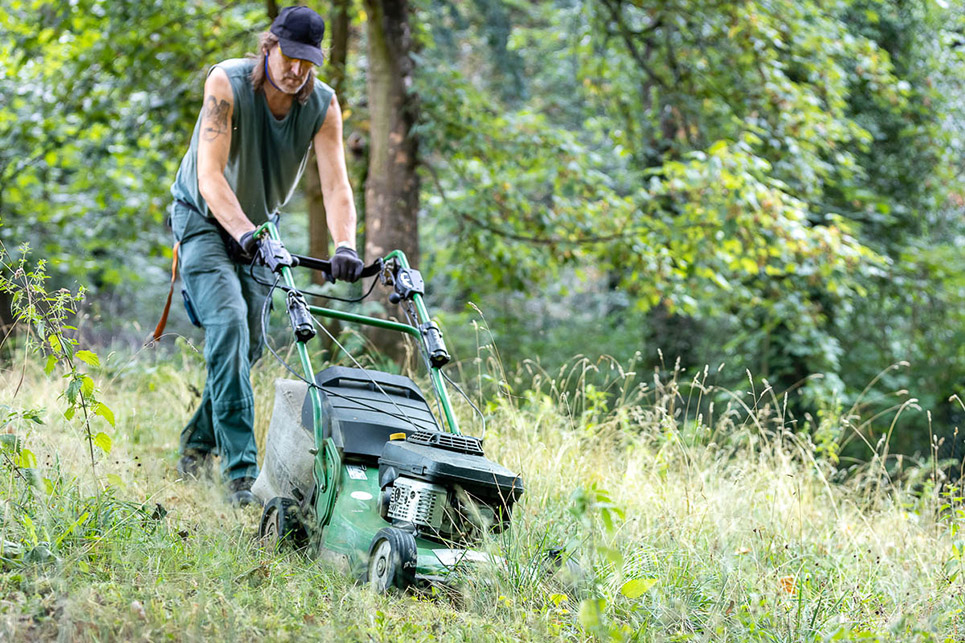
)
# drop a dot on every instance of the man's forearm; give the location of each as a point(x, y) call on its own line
point(224, 206)
point(340, 211)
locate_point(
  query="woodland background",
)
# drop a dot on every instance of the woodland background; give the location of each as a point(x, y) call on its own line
point(771, 185)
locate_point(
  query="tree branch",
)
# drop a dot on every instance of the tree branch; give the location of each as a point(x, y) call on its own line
point(515, 236)
point(641, 59)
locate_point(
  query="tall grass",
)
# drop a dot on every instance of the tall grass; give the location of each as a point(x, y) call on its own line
point(683, 511)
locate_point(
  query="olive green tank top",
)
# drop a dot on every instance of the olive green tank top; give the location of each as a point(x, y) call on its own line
point(267, 156)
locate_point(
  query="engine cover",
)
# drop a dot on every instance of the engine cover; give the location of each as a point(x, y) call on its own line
point(479, 476)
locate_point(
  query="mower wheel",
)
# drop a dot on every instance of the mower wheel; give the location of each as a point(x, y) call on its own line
point(280, 524)
point(561, 568)
point(392, 560)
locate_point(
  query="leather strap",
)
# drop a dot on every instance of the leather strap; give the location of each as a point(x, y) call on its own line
point(159, 330)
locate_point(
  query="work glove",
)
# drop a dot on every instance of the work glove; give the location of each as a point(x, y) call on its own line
point(248, 243)
point(266, 252)
point(346, 264)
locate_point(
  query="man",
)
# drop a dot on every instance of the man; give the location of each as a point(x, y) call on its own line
point(260, 117)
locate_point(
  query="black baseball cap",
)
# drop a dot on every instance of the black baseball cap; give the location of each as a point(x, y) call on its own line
point(300, 31)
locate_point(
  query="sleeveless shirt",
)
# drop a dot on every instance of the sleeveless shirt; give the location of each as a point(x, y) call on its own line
point(267, 156)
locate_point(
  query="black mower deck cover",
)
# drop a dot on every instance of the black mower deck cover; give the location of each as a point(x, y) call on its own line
point(361, 409)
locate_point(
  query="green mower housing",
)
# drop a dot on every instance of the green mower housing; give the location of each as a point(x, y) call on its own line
point(395, 498)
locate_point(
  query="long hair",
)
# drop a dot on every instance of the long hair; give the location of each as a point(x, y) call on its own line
point(266, 41)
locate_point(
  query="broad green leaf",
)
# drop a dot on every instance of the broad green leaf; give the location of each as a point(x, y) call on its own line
point(748, 265)
point(103, 441)
point(51, 363)
point(114, 480)
point(591, 612)
point(105, 412)
point(31, 531)
point(69, 413)
point(637, 587)
point(9, 442)
point(27, 459)
point(612, 554)
point(72, 390)
point(55, 343)
point(717, 147)
point(88, 357)
point(87, 386)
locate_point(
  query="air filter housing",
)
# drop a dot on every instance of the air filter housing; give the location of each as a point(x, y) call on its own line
point(420, 503)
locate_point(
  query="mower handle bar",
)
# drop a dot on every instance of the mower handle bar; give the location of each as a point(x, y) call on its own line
point(325, 266)
point(427, 331)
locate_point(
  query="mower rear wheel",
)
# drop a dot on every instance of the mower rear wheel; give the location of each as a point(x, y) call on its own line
point(280, 524)
point(560, 567)
point(392, 560)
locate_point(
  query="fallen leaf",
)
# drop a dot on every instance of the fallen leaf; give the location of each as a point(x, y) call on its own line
point(788, 584)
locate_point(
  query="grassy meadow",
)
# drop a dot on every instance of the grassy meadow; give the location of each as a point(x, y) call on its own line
point(694, 514)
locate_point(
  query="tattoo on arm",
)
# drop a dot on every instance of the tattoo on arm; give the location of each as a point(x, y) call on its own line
point(214, 118)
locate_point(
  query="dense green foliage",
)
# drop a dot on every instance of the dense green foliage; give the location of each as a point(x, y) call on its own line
point(98, 103)
point(774, 185)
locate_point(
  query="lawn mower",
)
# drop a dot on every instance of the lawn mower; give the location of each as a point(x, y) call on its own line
point(358, 468)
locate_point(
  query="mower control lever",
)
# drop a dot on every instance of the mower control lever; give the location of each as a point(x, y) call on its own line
point(274, 255)
point(407, 282)
point(438, 353)
point(299, 316)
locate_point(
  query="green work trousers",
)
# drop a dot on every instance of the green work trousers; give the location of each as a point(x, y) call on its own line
point(227, 301)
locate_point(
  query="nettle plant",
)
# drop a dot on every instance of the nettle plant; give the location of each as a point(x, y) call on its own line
point(43, 316)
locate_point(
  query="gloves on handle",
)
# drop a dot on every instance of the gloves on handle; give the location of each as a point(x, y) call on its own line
point(266, 251)
point(346, 264)
point(249, 243)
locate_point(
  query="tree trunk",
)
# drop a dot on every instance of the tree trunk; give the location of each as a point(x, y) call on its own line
point(392, 185)
point(317, 220)
point(339, 22)
point(392, 188)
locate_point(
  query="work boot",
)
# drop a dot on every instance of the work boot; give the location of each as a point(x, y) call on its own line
point(239, 493)
point(193, 464)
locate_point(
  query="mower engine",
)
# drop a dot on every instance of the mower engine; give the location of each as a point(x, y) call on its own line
point(420, 503)
point(443, 486)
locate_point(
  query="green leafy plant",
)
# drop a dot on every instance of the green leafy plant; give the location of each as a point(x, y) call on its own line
point(45, 316)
